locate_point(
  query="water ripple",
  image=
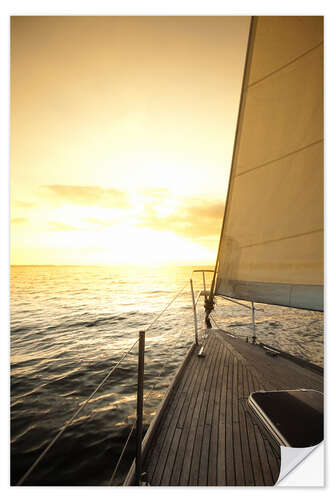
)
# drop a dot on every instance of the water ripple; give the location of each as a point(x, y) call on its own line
point(70, 325)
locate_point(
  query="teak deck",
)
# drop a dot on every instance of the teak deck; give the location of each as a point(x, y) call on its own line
point(204, 433)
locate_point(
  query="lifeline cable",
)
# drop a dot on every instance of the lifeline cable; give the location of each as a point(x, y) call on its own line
point(78, 410)
point(115, 470)
point(160, 314)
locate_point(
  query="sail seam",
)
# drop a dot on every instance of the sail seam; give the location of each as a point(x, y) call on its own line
point(283, 238)
point(280, 158)
point(284, 66)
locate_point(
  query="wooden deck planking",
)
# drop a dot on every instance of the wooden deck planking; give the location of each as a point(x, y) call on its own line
point(154, 451)
point(252, 441)
point(207, 435)
point(255, 384)
point(199, 463)
point(239, 466)
point(207, 426)
point(221, 451)
point(213, 447)
point(192, 422)
point(175, 444)
point(244, 436)
point(184, 424)
point(181, 401)
point(159, 452)
point(229, 449)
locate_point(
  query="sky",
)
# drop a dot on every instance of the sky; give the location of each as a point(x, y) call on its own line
point(121, 137)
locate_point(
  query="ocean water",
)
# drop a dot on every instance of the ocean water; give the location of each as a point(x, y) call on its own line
point(70, 325)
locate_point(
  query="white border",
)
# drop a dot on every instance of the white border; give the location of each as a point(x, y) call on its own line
point(131, 7)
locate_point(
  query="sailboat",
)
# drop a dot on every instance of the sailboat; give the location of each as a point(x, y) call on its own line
point(234, 403)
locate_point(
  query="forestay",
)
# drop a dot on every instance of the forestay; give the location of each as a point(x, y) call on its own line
point(271, 247)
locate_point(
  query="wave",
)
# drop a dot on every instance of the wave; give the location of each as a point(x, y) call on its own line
point(69, 328)
point(77, 324)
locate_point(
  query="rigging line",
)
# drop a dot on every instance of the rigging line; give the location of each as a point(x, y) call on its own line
point(80, 408)
point(129, 436)
point(217, 326)
point(121, 455)
point(238, 336)
point(215, 323)
point(133, 426)
point(167, 333)
point(160, 314)
point(46, 382)
point(77, 411)
point(240, 303)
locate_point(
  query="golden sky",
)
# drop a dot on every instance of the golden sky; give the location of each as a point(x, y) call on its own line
point(122, 131)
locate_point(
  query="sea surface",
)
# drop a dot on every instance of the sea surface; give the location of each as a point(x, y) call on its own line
point(70, 325)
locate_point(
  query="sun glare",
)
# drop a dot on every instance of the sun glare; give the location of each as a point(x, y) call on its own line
point(121, 146)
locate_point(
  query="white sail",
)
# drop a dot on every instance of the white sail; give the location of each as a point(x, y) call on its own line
point(271, 247)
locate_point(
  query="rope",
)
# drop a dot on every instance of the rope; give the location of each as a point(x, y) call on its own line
point(115, 470)
point(160, 314)
point(217, 326)
point(121, 455)
point(78, 410)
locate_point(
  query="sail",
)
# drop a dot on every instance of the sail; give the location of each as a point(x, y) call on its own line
point(271, 247)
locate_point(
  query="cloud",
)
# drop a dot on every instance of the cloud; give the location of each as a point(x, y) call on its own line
point(207, 210)
point(99, 223)
point(156, 193)
point(19, 220)
point(60, 226)
point(88, 195)
point(197, 218)
point(26, 204)
point(92, 221)
point(191, 220)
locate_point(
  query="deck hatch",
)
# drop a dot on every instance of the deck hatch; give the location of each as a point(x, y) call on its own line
point(294, 417)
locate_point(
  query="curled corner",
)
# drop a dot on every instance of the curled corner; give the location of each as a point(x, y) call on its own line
point(302, 466)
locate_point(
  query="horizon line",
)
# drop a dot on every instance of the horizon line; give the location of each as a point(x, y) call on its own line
point(115, 264)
